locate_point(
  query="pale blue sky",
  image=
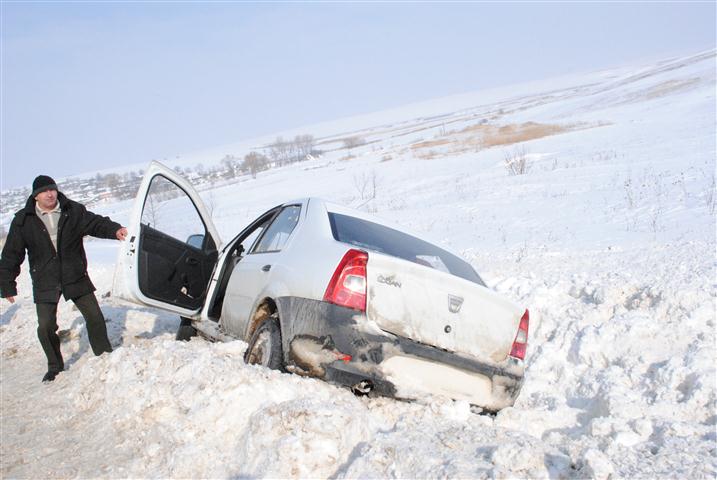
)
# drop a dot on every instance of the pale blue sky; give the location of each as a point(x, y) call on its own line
point(87, 86)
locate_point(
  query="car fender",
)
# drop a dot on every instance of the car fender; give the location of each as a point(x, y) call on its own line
point(268, 296)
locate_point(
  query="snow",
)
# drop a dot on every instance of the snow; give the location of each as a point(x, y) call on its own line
point(609, 240)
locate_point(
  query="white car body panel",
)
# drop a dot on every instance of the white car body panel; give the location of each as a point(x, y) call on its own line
point(413, 301)
point(247, 282)
point(320, 253)
point(247, 288)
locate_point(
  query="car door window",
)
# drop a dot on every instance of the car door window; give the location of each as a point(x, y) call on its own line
point(279, 231)
point(246, 243)
point(169, 210)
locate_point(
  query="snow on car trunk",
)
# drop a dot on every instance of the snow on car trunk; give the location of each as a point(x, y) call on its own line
point(439, 309)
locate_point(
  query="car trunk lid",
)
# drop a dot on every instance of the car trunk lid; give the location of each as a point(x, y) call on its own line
point(436, 308)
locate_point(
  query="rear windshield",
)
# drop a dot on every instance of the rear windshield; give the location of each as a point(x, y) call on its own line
point(372, 236)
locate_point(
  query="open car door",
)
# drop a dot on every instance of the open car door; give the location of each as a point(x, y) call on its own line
point(172, 247)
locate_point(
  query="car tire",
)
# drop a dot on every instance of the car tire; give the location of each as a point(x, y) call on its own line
point(186, 331)
point(265, 345)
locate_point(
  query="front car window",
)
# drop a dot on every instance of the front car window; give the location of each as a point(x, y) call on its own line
point(279, 231)
point(249, 240)
point(372, 236)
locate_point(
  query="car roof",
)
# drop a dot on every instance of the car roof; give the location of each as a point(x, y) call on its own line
point(333, 207)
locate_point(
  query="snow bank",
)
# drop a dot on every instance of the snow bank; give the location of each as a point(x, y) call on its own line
point(609, 240)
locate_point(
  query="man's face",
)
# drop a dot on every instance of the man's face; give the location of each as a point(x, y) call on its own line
point(47, 199)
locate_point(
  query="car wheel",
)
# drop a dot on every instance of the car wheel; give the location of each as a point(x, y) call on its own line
point(186, 331)
point(265, 345)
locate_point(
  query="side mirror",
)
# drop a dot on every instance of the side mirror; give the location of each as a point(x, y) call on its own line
point(196, 241)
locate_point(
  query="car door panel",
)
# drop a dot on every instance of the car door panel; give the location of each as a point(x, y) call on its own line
point(248, 280)
point(171, 272)
point(253, 274)
point(172, 248)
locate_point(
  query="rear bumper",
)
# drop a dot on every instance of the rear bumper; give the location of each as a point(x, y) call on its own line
point(317, 336)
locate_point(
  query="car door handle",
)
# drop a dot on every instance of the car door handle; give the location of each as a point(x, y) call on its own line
point(266, 268)
point(192, 261)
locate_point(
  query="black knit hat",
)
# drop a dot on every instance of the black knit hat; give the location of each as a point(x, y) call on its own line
point(42, 183)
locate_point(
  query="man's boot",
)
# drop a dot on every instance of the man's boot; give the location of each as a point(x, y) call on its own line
point(49, 376)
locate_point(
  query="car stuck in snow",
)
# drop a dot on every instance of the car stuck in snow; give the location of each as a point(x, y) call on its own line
point(321, 290)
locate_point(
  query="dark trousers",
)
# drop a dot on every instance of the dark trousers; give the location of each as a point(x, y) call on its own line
point(47, 329)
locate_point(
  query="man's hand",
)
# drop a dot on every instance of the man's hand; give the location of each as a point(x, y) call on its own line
point(121, 234)
point(10, 299)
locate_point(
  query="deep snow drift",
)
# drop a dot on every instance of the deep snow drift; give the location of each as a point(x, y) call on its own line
point(608, 239)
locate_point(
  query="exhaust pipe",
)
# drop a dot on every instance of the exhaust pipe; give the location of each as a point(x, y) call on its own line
point(362, 388)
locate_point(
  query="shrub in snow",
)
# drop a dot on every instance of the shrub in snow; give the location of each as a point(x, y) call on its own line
point(516, 161)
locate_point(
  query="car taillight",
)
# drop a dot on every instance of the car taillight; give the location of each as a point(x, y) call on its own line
point(520, 344)
point(348, 284)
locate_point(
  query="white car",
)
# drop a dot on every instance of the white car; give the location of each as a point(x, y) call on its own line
point(322, 290)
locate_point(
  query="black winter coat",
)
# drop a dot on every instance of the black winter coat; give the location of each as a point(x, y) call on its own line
point(53, 272)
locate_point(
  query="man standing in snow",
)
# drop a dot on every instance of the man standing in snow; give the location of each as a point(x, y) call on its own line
point(51, 228)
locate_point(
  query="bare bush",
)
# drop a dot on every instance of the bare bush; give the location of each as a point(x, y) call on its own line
point(629, 193)
point(210, 202)
point(655, 219)
point(645, 195)
point(366, 185)
point(521, 253)
point(711, 197)
point(516, 161)
point(152, 212)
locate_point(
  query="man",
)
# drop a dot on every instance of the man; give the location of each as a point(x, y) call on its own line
point(51, 228)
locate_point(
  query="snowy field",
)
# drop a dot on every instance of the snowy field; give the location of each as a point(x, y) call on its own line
point(609, 239)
